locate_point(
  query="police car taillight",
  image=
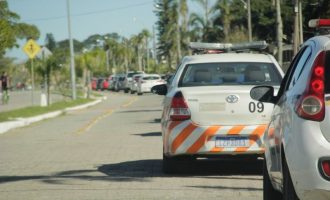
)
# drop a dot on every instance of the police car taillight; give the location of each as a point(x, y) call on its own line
point(326, 167)
point(311, 104)
point(179, 109)
point(319, 23)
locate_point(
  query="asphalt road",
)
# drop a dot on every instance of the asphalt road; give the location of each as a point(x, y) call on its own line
point(112, 151)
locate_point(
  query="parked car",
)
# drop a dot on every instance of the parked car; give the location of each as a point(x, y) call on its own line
point(147, 81)
point(105, 84)
point(94, 83)
point(297, 140)
point(128, 80)
point(111, 81)
point(99, 84)
point(119, 82)
point(207, 109)
point(134, 85)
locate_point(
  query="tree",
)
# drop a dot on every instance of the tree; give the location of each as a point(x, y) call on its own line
point(184, 31)
point(50, 42)
point(12, 29)
point(224, 17)
point(167, 12)
point(202, 26)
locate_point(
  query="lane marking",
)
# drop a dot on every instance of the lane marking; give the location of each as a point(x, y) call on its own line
point(129, 102)
point(107, 113)
point(94, 121)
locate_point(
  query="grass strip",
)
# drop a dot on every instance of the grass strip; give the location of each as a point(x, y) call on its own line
point(38, 110)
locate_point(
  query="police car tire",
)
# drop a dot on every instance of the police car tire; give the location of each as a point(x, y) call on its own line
point(126, 90)
point(269, 192)
point(139, 93)
point(289, 192)
point(132, 92)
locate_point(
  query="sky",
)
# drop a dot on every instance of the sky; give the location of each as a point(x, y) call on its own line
point(88, 17)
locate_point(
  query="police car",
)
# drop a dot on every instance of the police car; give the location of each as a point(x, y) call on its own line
point(297, 141)
point(207, 108)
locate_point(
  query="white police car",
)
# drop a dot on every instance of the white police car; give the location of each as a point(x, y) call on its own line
point(297, 141)
point(207, 108)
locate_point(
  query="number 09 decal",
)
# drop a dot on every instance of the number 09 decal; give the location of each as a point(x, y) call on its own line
point(253, 107)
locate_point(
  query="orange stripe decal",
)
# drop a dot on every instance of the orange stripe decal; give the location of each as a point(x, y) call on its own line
point(182, 137)
point(235, 130)
point(217, 149)
point(173, 124)
point(207, 135)
point(255, 135)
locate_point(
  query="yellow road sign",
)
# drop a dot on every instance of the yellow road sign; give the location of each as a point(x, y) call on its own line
point(31, 48)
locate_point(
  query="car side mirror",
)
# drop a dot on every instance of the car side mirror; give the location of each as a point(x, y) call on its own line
point(159, 89)
point(263, 94)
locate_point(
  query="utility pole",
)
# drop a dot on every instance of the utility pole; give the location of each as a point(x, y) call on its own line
point(247, 5)
point(296, 28)
point(301, 36)
point(279, 33)
point(154, 44)
point(72, 65)
point(249, 20)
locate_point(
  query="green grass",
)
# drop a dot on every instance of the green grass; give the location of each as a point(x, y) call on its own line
point(37, 110)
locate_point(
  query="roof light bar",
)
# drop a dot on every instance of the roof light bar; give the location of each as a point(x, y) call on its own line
point(203, 47)
point(258, 45)
point(319, 23)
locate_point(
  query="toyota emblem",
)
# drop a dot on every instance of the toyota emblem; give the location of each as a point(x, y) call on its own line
point(232, 98)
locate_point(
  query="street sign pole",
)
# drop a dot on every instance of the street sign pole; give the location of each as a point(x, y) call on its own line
point(32, 82)
point(31, 48)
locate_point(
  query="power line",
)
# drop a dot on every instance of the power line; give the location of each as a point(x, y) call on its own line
point(90, 13)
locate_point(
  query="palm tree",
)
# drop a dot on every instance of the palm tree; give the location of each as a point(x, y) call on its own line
point(224, 17)
point(183, 11)
point(167, 13)
point(201, 25)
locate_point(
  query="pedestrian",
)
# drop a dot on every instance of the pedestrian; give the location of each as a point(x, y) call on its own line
point(4, 81)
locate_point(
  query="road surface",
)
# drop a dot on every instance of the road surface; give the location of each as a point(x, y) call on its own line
point(111, 151)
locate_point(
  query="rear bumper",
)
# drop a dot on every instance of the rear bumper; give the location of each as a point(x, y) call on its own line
point(304, 146)
point(187, 138)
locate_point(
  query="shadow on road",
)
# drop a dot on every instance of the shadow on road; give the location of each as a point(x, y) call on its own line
point(153, 168)
point(144, 170)
point(151, 134)
point(133, 111)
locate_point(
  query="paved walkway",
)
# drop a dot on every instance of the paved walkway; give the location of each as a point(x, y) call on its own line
point(21, 99)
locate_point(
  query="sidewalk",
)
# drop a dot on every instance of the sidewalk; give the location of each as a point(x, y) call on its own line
point(23, 99)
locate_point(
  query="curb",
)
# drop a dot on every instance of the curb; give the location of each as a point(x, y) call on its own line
point(21, 122)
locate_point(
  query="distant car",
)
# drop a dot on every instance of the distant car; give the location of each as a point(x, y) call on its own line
point(94, 84)
point(147, 81)
point(111, 81)
point(207, 109)
point(99, 84)
point(120, 82)
point(128, 80)
point(105, 84)
point(134, 84)
point(297, 140)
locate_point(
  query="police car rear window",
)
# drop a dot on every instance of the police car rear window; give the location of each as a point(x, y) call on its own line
point(239, 73)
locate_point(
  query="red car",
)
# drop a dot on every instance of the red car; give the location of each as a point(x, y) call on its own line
point(94, 84)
